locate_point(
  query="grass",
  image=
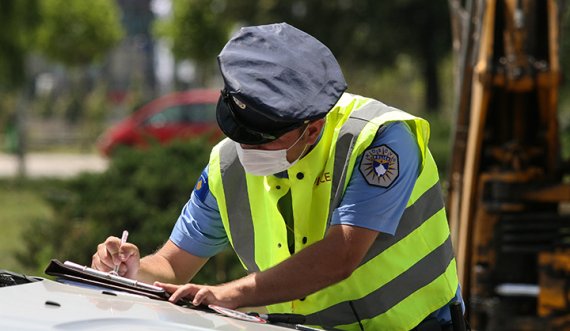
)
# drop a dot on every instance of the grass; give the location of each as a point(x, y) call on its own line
point(20, 207)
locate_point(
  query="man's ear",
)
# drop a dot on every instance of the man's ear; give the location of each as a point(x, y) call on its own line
point(314, 130)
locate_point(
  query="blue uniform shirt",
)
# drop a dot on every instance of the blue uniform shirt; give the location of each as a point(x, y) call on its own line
point(199, 228)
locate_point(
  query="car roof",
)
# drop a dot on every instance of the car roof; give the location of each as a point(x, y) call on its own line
point(50, 305)
point(194, 96)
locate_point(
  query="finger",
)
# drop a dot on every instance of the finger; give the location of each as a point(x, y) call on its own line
point(96, 263)
point(101, 260)
point(170, 288)
point(113, 245)
point(130, 257)
point(127, 251)
point(186, 291)
point(124, 271)
point(201, 296)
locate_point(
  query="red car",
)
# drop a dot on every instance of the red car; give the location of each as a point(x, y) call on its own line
point(180, 115)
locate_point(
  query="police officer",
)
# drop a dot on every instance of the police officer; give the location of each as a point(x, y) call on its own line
point(331, 200)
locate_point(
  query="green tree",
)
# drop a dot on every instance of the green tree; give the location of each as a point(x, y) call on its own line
point(360, 33)
point(198, 31)
point(365, 32)
point(19, 21)
point(77, 33)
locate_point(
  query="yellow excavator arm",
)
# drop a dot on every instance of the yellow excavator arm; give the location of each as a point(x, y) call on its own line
point(508, 186)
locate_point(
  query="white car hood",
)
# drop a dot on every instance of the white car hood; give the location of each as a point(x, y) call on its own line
point(49, 305)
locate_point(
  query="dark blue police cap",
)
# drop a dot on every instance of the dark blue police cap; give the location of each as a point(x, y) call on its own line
point(276, 78)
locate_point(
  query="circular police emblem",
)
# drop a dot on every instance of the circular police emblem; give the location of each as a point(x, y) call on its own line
point(379, 166)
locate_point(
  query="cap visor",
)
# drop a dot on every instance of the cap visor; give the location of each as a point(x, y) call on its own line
point(236, 130)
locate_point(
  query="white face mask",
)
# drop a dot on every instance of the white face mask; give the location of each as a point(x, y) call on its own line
point(261, 162)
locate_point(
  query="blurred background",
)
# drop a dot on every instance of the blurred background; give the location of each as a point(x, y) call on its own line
point(70, 71)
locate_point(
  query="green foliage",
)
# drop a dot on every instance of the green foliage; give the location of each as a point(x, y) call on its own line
point(8, 138)
point(197, 29)
point(96, 107)
point(78, 32)
point(13, 195)
point(366, 33)
point(19, 20)
point(439, 143)
point(142, 191)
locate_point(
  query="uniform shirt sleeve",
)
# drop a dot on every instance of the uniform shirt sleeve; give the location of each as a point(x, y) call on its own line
point(375, 207)
point(199, 229)
point(443, 314)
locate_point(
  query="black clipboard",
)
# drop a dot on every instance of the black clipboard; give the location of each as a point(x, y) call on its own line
point(82, 274)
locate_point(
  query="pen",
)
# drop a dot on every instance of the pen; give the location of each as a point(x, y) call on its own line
point(123, 240)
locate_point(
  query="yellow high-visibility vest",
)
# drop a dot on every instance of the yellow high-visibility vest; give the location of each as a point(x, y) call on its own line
point(402, 279)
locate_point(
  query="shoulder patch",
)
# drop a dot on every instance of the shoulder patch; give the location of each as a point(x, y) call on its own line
point(379, 166)
point(201, 188)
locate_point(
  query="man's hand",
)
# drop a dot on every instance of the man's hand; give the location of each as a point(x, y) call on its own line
point(170, 264)
point(324, 263)
point(112, 253)
point(220, 295)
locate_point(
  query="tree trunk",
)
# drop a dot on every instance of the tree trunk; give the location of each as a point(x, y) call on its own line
point(431, 80)
point(430, 61)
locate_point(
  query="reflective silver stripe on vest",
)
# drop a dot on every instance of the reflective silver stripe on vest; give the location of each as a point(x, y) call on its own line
point(415, 215)
point(241, 223)
point(345, 143)
point(233, 177)
point(422, 273)
point(428, 204)
point(380, 301)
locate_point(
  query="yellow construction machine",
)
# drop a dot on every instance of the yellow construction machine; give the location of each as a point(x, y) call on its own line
point(509, 188)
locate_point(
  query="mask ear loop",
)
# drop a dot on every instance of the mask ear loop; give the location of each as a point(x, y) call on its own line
point(295, 143)
point(299, 139)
